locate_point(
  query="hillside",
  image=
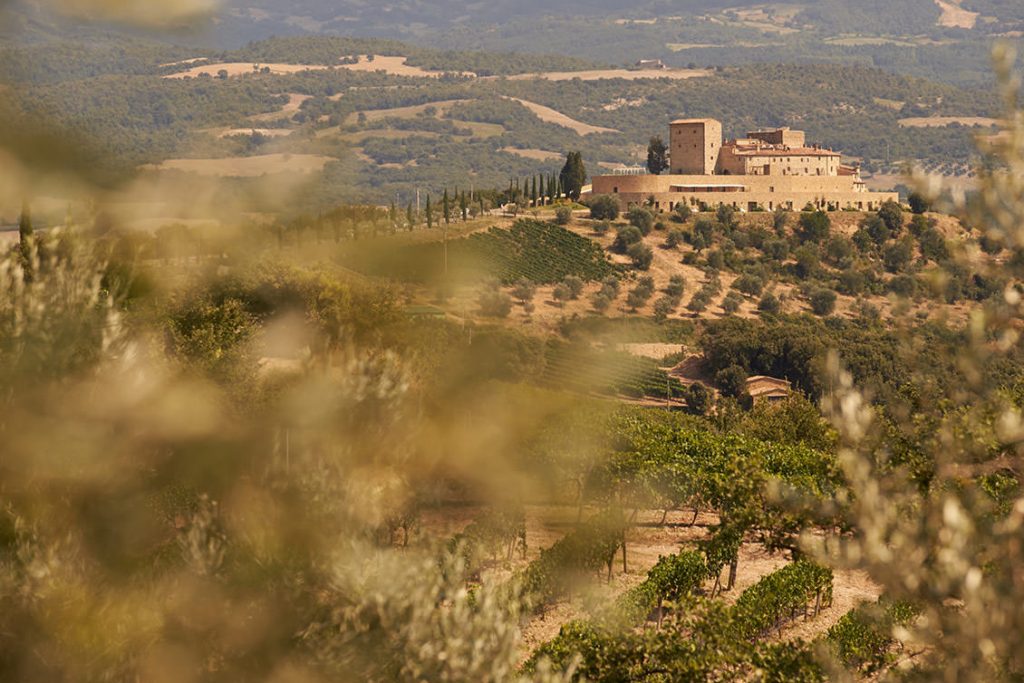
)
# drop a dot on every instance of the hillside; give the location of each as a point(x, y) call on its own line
point(377, 129)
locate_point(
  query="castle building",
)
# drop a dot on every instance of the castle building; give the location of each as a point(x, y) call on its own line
point(766, 170)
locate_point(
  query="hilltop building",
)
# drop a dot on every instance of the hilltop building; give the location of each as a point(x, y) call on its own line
point(766, 170)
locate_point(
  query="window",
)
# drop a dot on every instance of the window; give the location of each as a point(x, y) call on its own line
point(615, 190)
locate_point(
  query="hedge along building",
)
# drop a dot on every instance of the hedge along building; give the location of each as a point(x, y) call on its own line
point(766, 170)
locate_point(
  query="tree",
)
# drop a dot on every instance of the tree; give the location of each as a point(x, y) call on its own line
point(563, 215)
point(541, 191)
point(524, 289)
point(641, 255)
point(807, 262)
point(410, 219)
point(495, 303)
point(25, 238)
point(635, 299)
point(892, 213)
point(663, 308)
point(897, 255)
point(919, 204)
point(732, 381)
point(769, 304)
point(732, 302)
point(604, 207)
point(682, 212)
point(657, 156)
point(561, 293)
point(627, 237)
point(814, 226)
point(726, 215)
point(698, 398)
point(673, 238)
point(575, 285)
point(641, 218)
point(780, 217)
point(573, 176)
point(533, 192)
point(446, 207)
point(600, 301)
point(464, 206)
point(823, 302)
point(430, 215)
point(933, 245)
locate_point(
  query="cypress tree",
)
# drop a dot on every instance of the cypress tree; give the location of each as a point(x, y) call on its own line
point(430, 215)
point(410, 221)
point(533, 192)
point(25, 236)
point(446, 207)
point(543, 197)
point(463, 206)
point(573, 175)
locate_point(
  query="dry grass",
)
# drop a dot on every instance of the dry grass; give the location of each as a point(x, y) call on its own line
point(242, 68)
point(246, 167)
point(397, 66)
point(607, 74)
point(955, 16)
point(535, 154)
point(265, 132)
point(549, 115)
point(943, 121)
point(287, 111)
point(412, 112)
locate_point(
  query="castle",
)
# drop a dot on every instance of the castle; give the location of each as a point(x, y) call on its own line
point(766, 170)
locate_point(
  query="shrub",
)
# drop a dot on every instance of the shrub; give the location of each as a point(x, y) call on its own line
point(698, 303)
point(674, 238)
point(601, 302)
point(933, 245)
point(642, 219)
point(918, 203)
point(903, 285)
point(716, 259)
point(575, 286)
point(681, 213)
point(604, 207)
point(751, 285)
point(495, 303)
point(897, 256)
point(641, 255)
point(636, 298)
point(563, 215)
point(602, 227)
point(780, 217)
point(776, 250)
point(676, 286)
point(806, 262)
point(769, 304)
point(611, 286)
point(823, 302)
point(626, 237)
point(663, 308)
point(524, 289)
point(561, 293)
point(732, 303)
point(814, 226)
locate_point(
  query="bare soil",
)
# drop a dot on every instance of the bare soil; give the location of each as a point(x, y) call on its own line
point(955, 16)
point(943, 121)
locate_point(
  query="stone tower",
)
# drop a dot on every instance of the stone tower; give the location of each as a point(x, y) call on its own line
point(695, 145)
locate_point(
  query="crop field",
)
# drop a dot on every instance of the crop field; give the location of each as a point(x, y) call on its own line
point(539, 252)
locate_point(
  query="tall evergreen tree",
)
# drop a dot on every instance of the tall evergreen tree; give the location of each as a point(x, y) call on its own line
point(463, 206)
point(430, 214)
point(573, 176)
point(533, 192)
point(25, 237)
point(409, 218)
point(657, 156)
point(446, 207)
point(542, 190)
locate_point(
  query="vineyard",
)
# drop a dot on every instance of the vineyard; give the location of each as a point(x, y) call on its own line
point(614, 373)
point(542, 253)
